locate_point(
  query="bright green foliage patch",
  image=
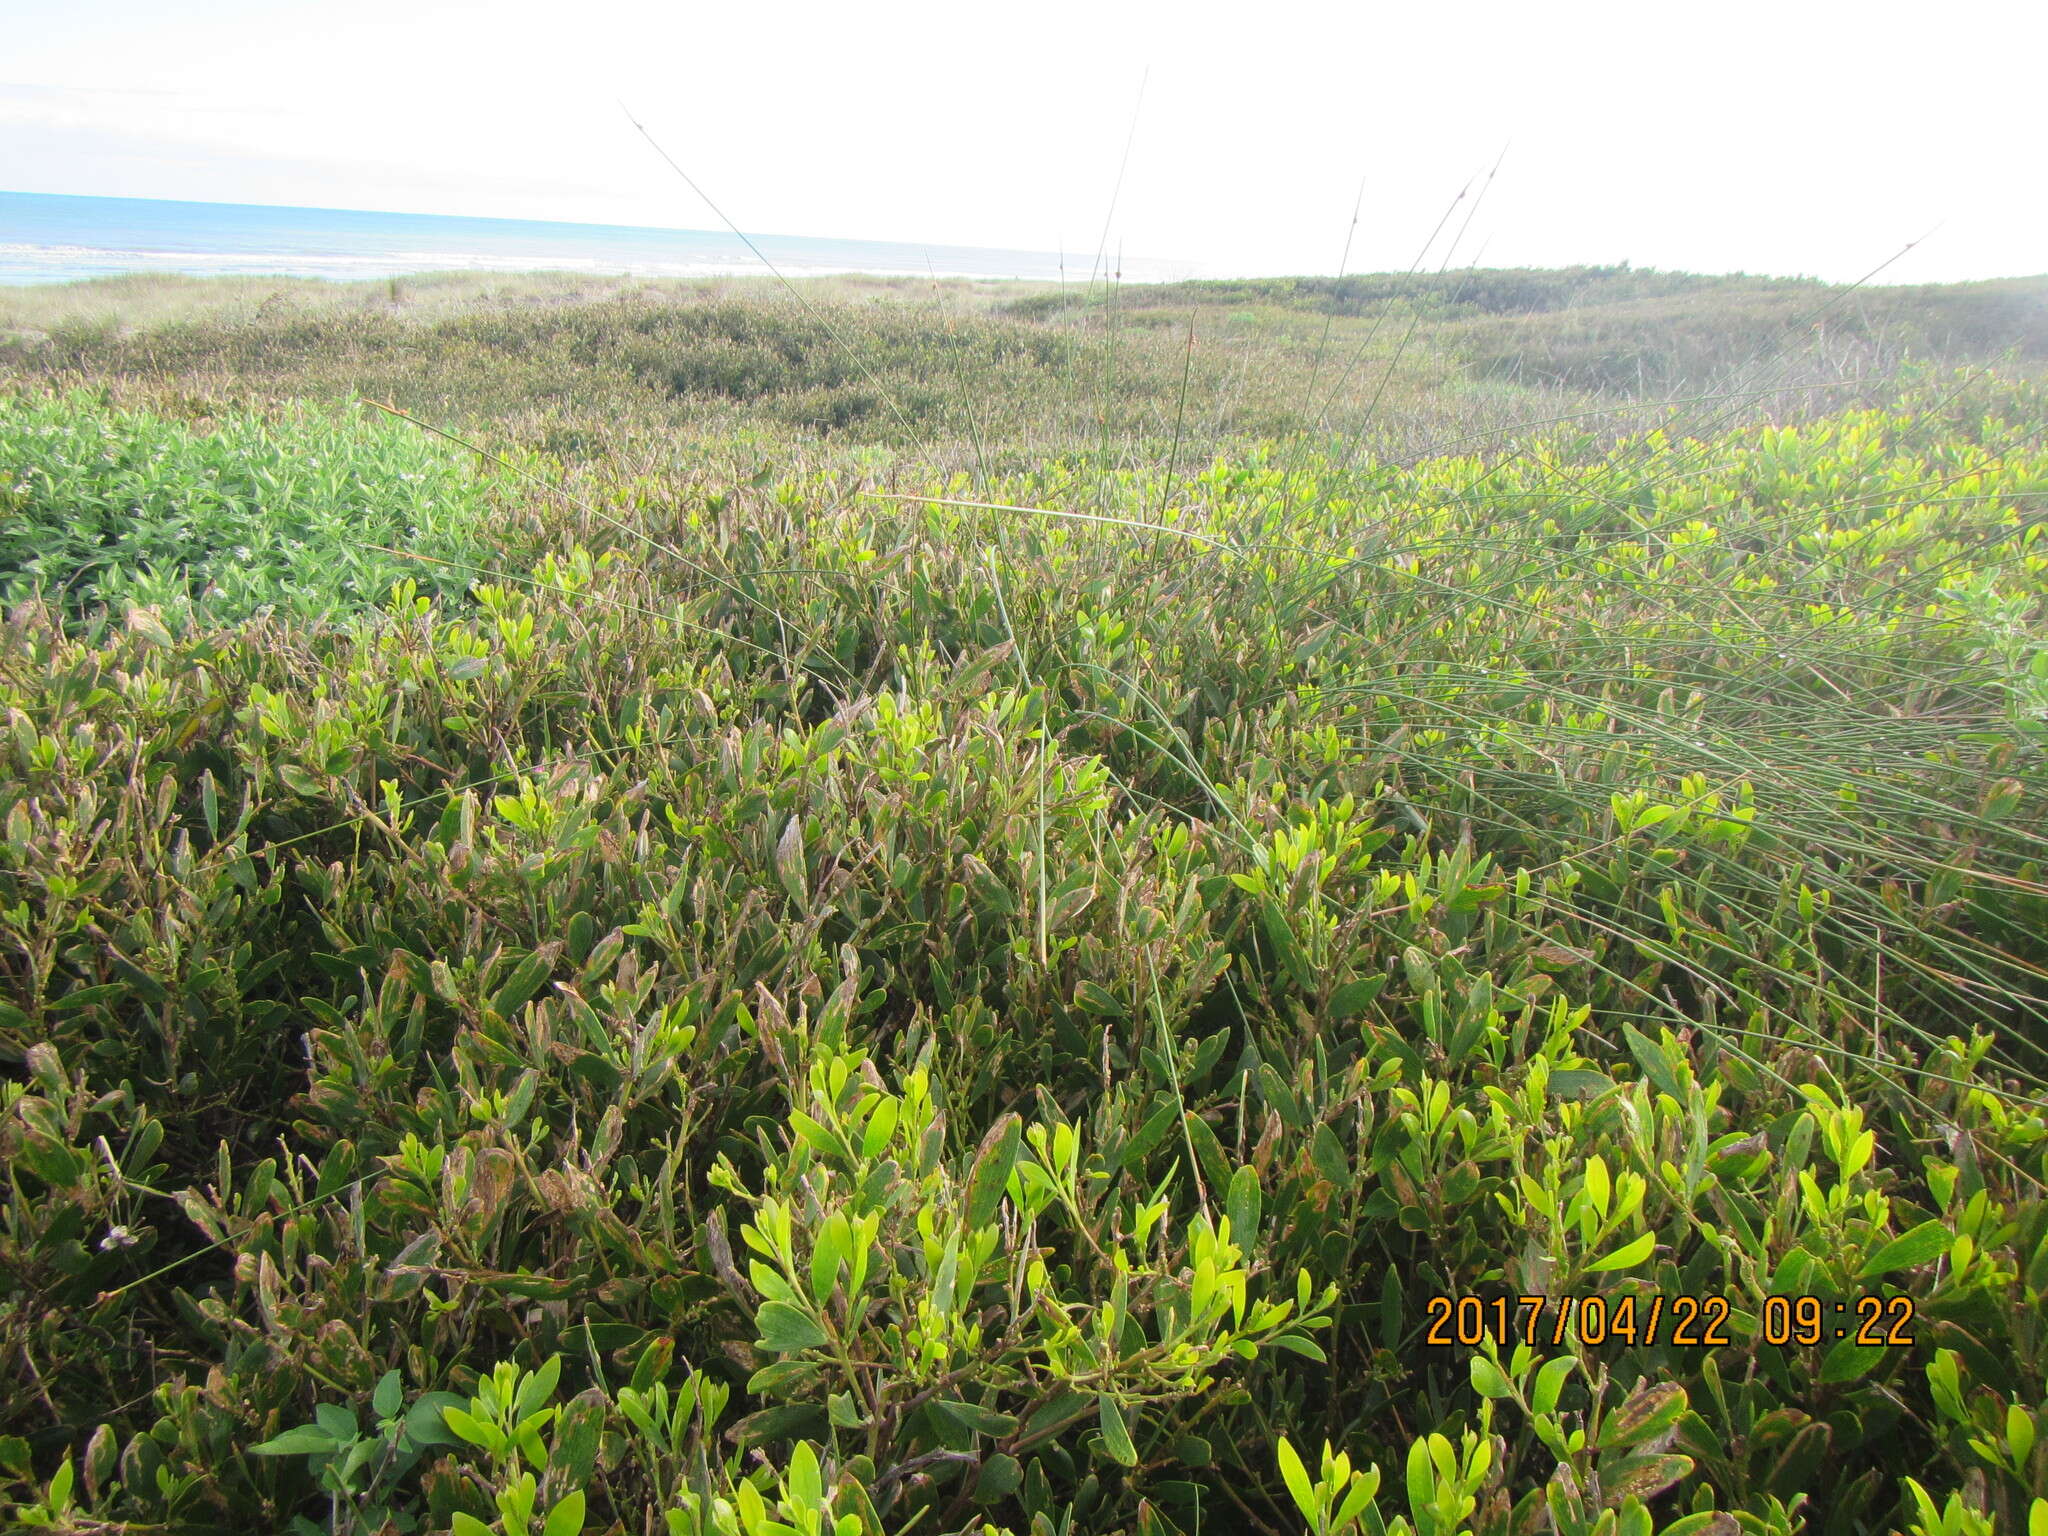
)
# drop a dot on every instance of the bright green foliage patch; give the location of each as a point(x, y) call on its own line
point(113, 508)
point(820, 1006)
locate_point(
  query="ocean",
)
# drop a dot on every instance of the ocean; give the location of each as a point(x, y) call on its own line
point(47, 238)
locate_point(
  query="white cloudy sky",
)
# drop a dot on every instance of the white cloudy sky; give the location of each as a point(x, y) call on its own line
point(1785, 137)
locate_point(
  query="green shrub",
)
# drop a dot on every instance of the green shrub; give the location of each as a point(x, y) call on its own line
point(113, 508)
point(863, 1006)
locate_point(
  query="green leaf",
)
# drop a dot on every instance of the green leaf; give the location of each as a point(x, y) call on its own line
point(538, 1388)
point(1327, 1152)
point(388, 1396)
point(1274, 1090)
point(1056, 1414)
point(2019, 1433)
point(1352, 998)
point(1296, 1344)
point(1281, 932)
point(828, 1251)
point(1116, 1438)
point(1923, 1245)
point(306, 1440)
point(461, 1524)
point(424, 1425)
point(1644, 1416)
point(790, 866)
point(654, 1359)
point(1850, 1361)
point(579, 1433)
point(806, 1484)
point(59, 1499)
point(994, 1161)
point(566, 1518)
point(1208, 1150)
point(1150, 1134)
point(1244, 1206)
point(527, 978)
point(1710, 1522)
point(582, 935)
point(87, 997)
point(1627, 1256)
point(1364, 1485)
point(1489, 1380)
point(103, 1456)
point(818, 1137)
point(949, 1271)
point(1207, 1054)
point(472, 1429)
point(1643, 1477)
point(1579, 1083)
point(1093, 997)
point(787, 1421)
point(1001, 1476)
point(973, 1416)
point(785, 1330)
point(533, 1287)
point(781, 1378)
point(880, 1127)
point(1650, 1057)
point(1550, 1382)
point(1295, 1475)
point(1421, 1479)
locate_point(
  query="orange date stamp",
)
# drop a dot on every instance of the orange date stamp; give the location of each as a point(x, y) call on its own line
point(1680, 1322)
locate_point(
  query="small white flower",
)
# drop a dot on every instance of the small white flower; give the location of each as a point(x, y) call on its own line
point(118, 1237)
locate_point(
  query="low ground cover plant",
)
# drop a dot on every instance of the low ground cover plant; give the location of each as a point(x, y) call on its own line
point(104, 508)
point(1052, 991)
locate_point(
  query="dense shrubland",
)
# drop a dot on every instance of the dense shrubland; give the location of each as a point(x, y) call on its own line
point(787, 980)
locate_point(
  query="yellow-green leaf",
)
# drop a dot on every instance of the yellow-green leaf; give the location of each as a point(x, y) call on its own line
point(1627, 1256)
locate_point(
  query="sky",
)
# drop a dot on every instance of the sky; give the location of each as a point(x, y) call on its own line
point(1791, 138)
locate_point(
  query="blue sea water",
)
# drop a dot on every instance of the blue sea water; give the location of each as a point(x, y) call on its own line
point(47, 238)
